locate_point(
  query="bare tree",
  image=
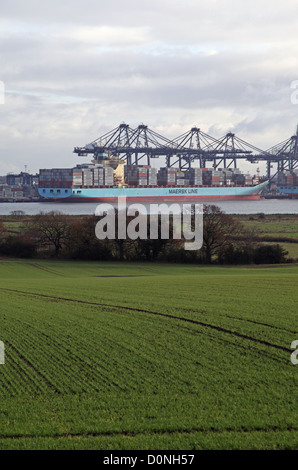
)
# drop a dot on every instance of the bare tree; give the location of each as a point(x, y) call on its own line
point(50, 229)
point(219, 231)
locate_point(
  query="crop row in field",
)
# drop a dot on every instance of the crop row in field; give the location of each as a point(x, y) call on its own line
point(133, 356)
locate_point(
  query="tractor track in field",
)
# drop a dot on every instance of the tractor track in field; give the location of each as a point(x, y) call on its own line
point(254, 322)
point(47, 270)
point(164, 315)
point(149, 432)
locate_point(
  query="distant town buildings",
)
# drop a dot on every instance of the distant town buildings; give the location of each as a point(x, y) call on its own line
point(19, 187)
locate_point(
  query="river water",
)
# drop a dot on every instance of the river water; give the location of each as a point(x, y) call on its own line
point(266, 206)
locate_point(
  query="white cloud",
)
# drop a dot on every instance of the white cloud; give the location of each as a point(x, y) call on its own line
point(74, 70)
point(107, 36)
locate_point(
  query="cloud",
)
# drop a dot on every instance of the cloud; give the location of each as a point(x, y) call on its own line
point(74, 70)
point(105, 37)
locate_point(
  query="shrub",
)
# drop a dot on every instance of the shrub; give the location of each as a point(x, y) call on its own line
point(270, 254)
point(18, 247)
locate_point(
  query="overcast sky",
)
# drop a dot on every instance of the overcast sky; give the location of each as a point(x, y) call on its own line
point(75, 69)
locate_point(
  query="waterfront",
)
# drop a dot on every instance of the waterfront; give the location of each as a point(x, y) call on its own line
point(266, 206)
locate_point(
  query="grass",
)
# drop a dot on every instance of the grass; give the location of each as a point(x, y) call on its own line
point(283, 226)
point(272, 229)
point(14, 224)
point(144, 356)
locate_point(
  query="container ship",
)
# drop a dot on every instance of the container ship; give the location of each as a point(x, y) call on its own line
point(106, 179)
point(287, 183)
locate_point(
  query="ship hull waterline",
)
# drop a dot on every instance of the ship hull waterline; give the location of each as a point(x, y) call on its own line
point(170, 194)
point(156, 199)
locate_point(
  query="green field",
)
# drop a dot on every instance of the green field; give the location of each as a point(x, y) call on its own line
point(130, 356)
point(276, 226)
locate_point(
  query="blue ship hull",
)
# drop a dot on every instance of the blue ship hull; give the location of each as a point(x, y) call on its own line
point(152, 194)
point(289, 190)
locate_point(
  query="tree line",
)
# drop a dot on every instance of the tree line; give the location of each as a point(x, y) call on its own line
point(55, 235)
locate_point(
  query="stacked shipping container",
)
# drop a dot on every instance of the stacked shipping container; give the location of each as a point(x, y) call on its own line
point(141, 176)
point(98, 177)
point(152, 177)
point(166, 177)
point(108, 176)
point(195, 176)
point(56, 178)
point(103, 176)
point(288, 177)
